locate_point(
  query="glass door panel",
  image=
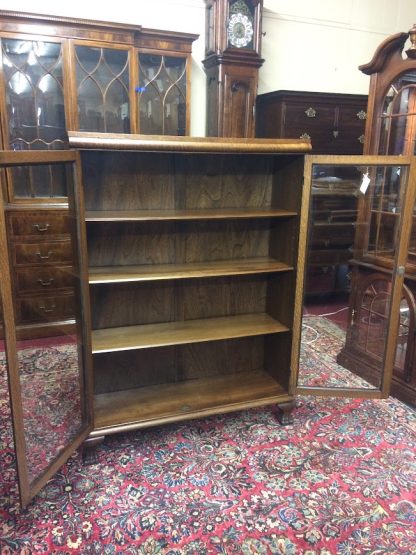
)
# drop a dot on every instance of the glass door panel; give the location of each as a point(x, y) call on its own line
point(162, 94)
point(43, 290)
point(33, 79)
point(102, 76)
point(357, 314)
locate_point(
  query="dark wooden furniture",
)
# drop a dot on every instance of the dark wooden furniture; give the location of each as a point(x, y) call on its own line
point(334, 123)
point(194, 259)
point(232, 61)
point(60, 74)
point(196, 251)
point(391, 129)
point(64, 73)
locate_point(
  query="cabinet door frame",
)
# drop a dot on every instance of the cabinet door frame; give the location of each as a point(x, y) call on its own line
point(409, 197)
point(73, 124)
point(29, 489)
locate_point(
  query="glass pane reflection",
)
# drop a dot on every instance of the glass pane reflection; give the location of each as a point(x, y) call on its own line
point(162, 94)
point(353, 237)
point(46, 281)
point(51, 398)
point(103, 89)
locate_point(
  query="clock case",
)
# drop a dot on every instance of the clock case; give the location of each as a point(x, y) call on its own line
point(232, 72)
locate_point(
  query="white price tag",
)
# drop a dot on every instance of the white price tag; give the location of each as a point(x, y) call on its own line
point(365, 183)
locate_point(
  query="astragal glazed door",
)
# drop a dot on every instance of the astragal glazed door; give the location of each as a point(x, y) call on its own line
point(357, 242)
point(46, 329)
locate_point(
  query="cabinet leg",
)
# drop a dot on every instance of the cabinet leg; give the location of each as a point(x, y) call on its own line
point(284, 413)
point(89, 451)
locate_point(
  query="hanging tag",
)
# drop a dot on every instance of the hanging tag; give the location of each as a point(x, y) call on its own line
point(365, 183)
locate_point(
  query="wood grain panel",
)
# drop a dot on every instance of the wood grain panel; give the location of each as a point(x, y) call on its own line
point(194, 214)
point(128, 181)
point(207, 359)
point(135, 408)
point(128, 244)
point(128, 305)
point(177, 333)
point(209, 298)
point(133, 369)
point(118, 274)
point(218, 182)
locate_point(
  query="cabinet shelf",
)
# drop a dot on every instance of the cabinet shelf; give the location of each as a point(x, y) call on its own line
point(135, 408)
point(179, 333)
point(202, 214)
point(120, 274)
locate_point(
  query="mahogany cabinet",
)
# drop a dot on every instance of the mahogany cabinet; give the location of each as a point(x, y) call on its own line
point(62, 74)
point(334, 122)
point(391, 129)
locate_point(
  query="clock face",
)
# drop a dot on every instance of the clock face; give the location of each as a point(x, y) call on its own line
point(239, 30)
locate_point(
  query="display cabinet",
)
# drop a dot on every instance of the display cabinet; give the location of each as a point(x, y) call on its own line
point(194, 287)
point(391, 129)
point(65, 73)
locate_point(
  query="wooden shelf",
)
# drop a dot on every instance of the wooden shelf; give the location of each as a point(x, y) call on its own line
point(119, 274)
point(179, 333)
point(135, 408)
point(206, 214)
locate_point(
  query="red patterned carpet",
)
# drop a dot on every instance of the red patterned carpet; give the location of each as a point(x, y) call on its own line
point(341, 480)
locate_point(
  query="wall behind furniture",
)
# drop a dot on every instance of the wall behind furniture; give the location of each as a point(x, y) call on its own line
point(318, 46)
point(313, 46)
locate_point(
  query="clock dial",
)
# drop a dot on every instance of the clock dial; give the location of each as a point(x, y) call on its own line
point(240, 30)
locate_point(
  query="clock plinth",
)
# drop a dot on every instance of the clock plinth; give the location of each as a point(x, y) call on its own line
point(232, 62)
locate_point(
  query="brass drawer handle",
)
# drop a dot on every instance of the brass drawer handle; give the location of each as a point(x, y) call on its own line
point(50, 309)
point(310, 112)
point(45, 282)
point(45, 256)
point(41, 227)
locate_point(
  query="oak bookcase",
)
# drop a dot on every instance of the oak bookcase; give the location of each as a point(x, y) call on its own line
point(195, 274)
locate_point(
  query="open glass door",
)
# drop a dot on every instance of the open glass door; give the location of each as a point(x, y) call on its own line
point(46, 330)
point(358, 311)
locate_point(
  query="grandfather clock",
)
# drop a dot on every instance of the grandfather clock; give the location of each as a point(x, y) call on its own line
point(232, 62)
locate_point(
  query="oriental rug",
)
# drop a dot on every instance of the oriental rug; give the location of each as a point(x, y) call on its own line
point(340, 480)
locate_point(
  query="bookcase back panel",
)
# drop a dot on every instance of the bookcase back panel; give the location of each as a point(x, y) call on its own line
point(152, 181)
point(146, 367)
point(123, 244)
point(132, 304)
point(129, 304)
point(129, 243)
point(223, 181)
point(128, 181)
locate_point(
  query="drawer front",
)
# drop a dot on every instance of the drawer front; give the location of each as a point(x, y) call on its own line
point(333, 234)
point(312, 115)
point(43, 279)
point(45, 253)
point(46, 308)
point(40, 224)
